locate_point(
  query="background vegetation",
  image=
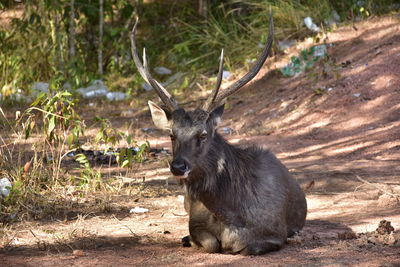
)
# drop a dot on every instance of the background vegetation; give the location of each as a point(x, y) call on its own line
point(64, 40)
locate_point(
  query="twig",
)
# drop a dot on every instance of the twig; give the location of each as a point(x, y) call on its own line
point(39, 242)
point(124, 177)
point(7, 244)
point(176, 214)
point(377, 187)
point(125, 226)
point(30, 230)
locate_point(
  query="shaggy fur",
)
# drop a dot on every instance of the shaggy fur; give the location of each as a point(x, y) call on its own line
point(239, 200)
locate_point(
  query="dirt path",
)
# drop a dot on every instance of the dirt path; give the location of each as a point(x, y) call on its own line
point(339, 136)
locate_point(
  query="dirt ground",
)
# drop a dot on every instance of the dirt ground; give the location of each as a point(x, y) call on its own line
point(335, 127)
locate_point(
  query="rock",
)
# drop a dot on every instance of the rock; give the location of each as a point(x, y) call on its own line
point(368, 195)
point(347, 235)
point(384, 227)
point(78, 253)
point(295, 240)
point(388, 201)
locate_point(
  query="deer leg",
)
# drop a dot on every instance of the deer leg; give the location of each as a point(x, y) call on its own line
point(203, 227)
point(186, 241)
point(206, 240)
point(261, 247)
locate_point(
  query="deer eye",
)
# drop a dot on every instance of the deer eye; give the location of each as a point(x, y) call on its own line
point(203, 136)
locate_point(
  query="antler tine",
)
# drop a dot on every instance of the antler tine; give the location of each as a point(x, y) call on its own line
point(210, 100)
point(165, 97)
point(253, 71)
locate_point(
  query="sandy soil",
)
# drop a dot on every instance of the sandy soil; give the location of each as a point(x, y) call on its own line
point(335, 127)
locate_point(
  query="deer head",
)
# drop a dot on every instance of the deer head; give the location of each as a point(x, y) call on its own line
point(193, 133)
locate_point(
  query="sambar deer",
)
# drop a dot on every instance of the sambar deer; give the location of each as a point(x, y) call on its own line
point(239, 200)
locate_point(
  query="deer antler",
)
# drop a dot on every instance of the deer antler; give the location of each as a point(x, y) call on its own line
point(214, 93)
point(165, 97)
point(215, 98)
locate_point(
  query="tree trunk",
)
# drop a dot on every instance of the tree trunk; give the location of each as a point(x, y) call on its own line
point(100, 43)
point(57, 42)
point(203, 8)
point(72, 48)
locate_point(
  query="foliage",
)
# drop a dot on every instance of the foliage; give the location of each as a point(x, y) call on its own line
point(60, 120)
point(89, 178)
point(36, 46)
point(52, 126)
point(107, 133)
point(364, 8)
point(127, 156)
point(111, 136)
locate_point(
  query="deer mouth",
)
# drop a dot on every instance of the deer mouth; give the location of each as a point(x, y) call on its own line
point(185, 175)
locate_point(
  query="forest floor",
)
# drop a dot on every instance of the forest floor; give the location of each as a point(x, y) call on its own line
point(337, 129)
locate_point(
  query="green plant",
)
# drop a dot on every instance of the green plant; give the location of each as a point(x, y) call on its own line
point(37, 45)
point(61, 125)
point(112, 136)
point(107, 134)
point(362, 8)
point(240, 27)
point(54, 118)
point(31, 151)
point(127, 156)
point(89, 179)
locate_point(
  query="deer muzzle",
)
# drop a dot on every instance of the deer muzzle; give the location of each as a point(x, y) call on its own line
point(179, 167)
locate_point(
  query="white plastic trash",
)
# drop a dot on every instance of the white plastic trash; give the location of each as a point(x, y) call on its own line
point(115, 96)
point(310, 24)
point(320, 51)
point(226, 74)
point(139, 210)
point(5, 186)
point(95, 93)
point(96, 89)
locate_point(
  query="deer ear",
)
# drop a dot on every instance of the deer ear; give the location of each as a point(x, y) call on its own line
point(159, 116)
point(216, 114)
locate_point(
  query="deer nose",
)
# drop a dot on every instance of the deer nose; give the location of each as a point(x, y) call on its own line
point(179, 167)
